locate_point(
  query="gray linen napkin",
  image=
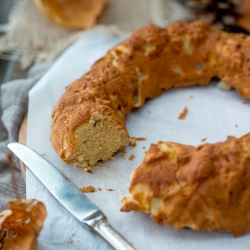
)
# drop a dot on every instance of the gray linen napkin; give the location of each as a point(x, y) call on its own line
point(14, 104)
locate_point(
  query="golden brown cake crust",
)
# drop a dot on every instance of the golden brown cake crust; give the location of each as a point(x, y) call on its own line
point(203, 188)
point(152, 60)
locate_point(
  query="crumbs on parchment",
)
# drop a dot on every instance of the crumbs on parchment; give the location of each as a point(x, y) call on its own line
point(183, 114)
point(131, 157)
point(100, 163)
point(140, 138)
point(85, 167)
point(124, 151)
point(88, 189)
point(110, 189)
point(70, 240)
point(204, 139)
point(133, 140)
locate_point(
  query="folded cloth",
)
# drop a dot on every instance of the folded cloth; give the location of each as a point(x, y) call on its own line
point(14, 104)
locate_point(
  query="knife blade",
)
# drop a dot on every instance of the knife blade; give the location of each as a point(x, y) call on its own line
point(69, 195)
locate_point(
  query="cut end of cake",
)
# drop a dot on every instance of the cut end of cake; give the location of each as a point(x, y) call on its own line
point(98, 139)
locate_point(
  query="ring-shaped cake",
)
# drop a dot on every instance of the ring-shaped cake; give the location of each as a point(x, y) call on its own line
point(200, 188)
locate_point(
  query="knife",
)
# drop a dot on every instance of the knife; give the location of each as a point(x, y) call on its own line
point(69, 195)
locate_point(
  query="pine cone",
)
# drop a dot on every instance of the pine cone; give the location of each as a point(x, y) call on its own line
point(220, 14)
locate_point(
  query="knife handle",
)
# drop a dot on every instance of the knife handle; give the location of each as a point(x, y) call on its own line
point(112, 236)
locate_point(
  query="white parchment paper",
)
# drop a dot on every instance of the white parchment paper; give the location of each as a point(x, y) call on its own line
point(212, 114)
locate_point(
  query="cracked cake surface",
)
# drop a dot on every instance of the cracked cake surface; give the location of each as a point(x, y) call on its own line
point(88, 122)
point(202, 188)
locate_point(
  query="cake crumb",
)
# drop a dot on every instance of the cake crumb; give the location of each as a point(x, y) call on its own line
point(110, 189)
point(70, 241)
point(119, 191)
point(44, 154)
point(88, 189)
point(183, 114)
point(85, 167)
point(88, 170)
point(244, 102)
point(123, 153)
point(131, 157)
point(140, 138)
point(132, 142)
point(113, 158)
point(204, 139)
point(236, 125)
point(99, 189)
point(191, 97)
point(100, 163)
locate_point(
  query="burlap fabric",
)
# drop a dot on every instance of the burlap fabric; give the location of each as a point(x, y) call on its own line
point(33, 39)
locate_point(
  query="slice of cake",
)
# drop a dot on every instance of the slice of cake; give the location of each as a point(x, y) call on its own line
point(203, 188)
